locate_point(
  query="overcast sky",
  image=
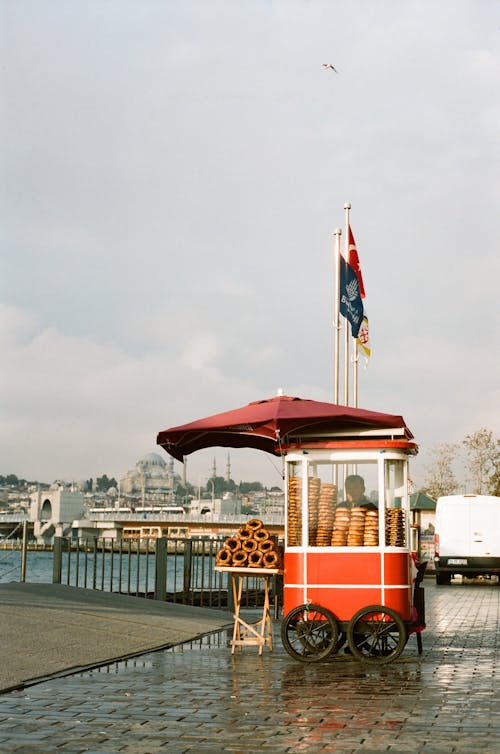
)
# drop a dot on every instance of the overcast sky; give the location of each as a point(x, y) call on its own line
point(171, 177)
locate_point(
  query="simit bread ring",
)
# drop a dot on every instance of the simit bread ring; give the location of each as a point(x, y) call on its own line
point(261, 535)
point(223, 557)
point(249, 545)
point(240, 558)
point(270, 559)
point(255, 559)
point(254, 524)
point(245, 533)
point(232, 544)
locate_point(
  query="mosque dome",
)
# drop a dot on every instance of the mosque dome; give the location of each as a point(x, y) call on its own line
point(151, 473)
point(152, 459)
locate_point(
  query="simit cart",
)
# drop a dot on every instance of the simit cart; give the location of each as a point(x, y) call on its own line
point(349, 575)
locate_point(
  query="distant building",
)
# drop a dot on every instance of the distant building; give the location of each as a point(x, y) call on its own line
point(228, 505)
point(53, 512)
point(152, 476)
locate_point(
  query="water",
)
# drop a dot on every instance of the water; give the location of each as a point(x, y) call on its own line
point(38, 566)
point(113, 572)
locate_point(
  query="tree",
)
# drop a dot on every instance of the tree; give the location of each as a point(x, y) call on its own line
point(182, 493)
point(103, 483)
point(12, 480)
point(441, 479)
point(250, 487)
point(495, 483)
point(482, 459)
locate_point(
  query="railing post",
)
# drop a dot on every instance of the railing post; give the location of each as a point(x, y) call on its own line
point(24, 551)
point(94, 566)
point(188, 552)
point(57, 560)
point(160, 569)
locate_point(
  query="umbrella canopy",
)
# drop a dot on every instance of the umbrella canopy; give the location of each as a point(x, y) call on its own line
point(270, 424)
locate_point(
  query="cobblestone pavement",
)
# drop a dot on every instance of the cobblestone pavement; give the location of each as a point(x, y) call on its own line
point(200, 698)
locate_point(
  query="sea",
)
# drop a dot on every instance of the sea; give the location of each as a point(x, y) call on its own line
point(115, 572)
point(38, 566)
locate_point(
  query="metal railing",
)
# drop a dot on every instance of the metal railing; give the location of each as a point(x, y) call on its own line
point(173, 570)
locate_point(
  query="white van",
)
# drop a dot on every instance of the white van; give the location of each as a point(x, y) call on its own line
point(467, 536)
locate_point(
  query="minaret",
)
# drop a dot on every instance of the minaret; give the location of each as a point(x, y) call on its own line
point(171, 474)
point(228, 468)
point(214, 470)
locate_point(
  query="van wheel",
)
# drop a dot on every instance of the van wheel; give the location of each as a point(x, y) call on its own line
point(443, 578)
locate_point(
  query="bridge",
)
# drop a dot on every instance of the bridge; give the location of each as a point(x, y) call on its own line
point(62, 513)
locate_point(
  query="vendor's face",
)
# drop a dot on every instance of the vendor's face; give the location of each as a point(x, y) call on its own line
point(355, 490)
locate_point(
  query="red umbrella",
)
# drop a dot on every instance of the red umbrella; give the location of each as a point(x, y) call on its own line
point(270, 424)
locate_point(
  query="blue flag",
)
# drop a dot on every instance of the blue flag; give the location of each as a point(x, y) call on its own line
point(351, 305)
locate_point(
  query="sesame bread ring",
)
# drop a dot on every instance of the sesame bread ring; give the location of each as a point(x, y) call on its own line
point(255, 559)
point(223, 557)
point(261, 535)
point(270, 559)
point(232, 544)
point(254, 524)
point(245, 533)
point(266, 545)
point(240, 558)
point(249, 545)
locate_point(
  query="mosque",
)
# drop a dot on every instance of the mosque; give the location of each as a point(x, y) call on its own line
point(152, 475)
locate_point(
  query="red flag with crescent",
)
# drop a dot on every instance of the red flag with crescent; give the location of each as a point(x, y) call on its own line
point(353, 261)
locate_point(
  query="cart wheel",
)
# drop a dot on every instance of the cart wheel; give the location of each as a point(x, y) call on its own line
point(376, 634)
point(309, 633)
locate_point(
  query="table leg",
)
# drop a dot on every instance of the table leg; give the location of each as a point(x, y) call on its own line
point(259, 633)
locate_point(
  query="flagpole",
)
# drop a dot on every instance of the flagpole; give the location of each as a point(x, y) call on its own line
point(347, 331)
point(336, 316)
point(355, 374)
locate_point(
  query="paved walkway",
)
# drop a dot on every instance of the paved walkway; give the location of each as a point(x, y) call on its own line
point(49, 628)
point(200, 698)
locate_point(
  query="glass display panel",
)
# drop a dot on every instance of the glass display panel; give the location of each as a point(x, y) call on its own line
point(347, 516)
point(395, 495)
point(294, 505)
point(342, 504)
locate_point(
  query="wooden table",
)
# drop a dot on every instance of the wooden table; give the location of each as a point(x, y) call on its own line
point(250, 634)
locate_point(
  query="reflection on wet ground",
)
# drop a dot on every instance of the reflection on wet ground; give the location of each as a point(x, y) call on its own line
point(201, 698)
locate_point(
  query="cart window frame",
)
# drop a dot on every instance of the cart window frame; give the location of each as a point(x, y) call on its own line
point(387, 474)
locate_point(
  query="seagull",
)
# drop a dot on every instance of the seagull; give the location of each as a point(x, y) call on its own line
point(329, 65)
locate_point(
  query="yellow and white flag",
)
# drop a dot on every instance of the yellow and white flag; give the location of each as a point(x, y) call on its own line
point(363, 339)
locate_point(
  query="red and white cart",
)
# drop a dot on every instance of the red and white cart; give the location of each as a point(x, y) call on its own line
point(349, 575)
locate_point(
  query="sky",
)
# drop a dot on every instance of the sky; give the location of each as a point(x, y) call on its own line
point(172, 174)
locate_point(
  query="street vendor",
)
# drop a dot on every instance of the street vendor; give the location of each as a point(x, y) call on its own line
point(355, 494)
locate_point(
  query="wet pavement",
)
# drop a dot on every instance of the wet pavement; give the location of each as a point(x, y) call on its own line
point(200, 698)
point(50, 628)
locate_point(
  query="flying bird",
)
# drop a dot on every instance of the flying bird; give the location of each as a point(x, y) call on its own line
point(329, 65)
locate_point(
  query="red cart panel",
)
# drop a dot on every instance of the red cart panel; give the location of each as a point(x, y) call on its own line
point(344, 582)
point(343, 568)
